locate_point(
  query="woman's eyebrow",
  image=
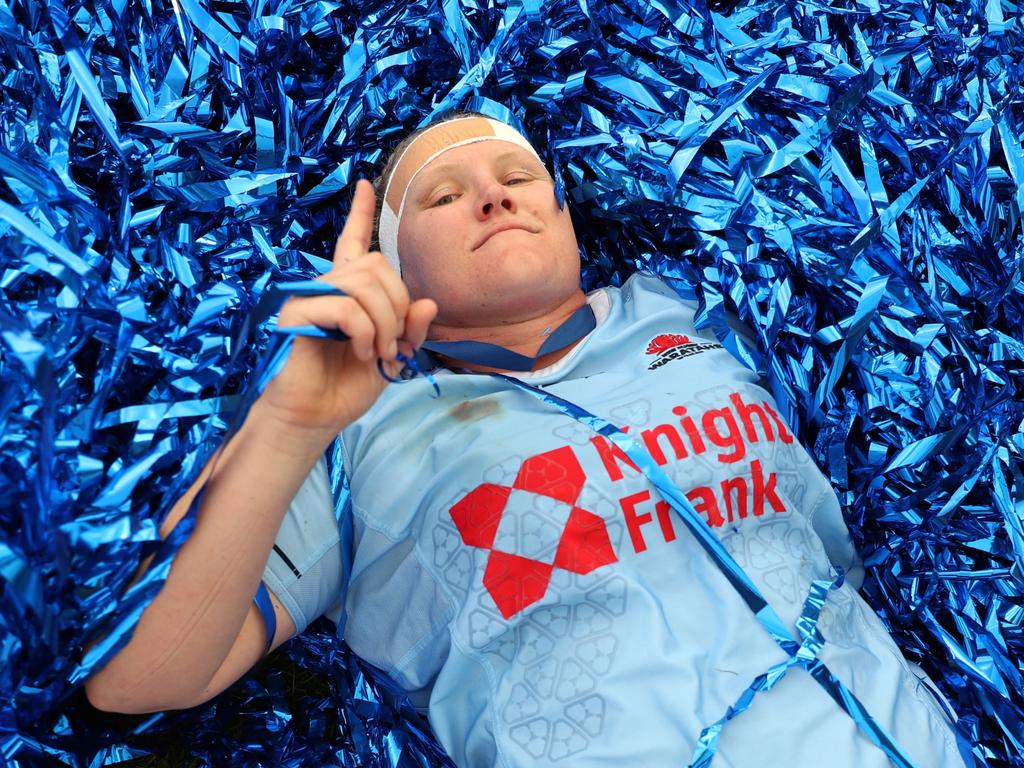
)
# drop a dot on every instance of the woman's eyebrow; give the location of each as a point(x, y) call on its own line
point(447, 167)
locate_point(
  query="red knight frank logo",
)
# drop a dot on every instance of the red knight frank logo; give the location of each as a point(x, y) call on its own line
point(512, 579)
point(674, 346)
point(535, 525)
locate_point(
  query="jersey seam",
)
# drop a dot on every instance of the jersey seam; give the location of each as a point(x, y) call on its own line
point(436, 628)
point(449, 615)
point(823, 496)
point(492, 685)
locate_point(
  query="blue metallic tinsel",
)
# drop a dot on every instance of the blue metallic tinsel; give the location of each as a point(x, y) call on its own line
point(846, 175)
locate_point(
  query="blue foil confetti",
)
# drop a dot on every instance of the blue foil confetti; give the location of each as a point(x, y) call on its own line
point(847, 179)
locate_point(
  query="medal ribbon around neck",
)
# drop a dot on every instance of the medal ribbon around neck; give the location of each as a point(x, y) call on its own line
point(578, 325)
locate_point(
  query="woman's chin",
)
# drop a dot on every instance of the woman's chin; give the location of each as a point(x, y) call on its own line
point(530, 266)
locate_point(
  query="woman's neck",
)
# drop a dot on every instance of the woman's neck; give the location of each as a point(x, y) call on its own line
point(524, 337)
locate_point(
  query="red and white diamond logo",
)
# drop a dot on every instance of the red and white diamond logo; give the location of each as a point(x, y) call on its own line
point(551, 481)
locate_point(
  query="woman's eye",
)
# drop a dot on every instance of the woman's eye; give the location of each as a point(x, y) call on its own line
point(510, 180)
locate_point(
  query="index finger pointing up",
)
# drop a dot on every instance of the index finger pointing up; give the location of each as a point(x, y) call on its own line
point(354, 241)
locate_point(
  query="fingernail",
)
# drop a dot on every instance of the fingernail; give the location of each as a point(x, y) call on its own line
point(392, 349)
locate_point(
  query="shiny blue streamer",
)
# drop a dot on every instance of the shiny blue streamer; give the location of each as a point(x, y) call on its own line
point(811, 644)
point(158, 158)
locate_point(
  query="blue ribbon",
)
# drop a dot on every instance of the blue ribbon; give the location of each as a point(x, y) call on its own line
point(266, 609)
point(812, 644)
point(578, 325)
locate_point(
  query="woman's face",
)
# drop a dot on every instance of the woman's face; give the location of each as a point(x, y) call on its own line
point(452, 252)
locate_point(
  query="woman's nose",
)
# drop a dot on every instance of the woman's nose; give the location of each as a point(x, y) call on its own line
point(492, 196)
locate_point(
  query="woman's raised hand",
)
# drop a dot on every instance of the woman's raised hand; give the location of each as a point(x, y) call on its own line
point(326, 385)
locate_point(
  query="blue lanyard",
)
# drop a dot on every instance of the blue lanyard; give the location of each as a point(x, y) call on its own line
point(578, 325)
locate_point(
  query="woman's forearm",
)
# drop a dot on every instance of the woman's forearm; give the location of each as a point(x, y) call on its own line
point(188, 630)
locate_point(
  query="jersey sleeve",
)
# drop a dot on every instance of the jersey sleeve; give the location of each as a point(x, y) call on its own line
point(305, 568)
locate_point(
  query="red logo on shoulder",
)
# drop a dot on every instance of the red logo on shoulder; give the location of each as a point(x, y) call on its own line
point(665, 342)
point(667, 347)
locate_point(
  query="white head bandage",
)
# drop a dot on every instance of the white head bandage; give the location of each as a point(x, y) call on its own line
point(427, 146)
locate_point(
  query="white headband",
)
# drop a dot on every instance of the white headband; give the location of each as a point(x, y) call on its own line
point(389, 219)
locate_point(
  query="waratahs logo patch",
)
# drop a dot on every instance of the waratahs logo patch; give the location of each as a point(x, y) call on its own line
point(667, 347)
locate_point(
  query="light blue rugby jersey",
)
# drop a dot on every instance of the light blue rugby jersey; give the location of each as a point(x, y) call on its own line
point(532, 592)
